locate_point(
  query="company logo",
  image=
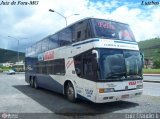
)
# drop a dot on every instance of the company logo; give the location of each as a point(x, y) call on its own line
point(132, 83)
point(9, 116)
point(4, 116)
point(49, 55)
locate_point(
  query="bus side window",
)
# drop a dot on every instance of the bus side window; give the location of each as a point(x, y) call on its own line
point(80, 31)
point(78, 65)
point(44, 68)
point(88, 71)
point(53, 41)
point(59, 67)
point(40, 67)
point(87, 68)
point(65, 36)
point(78, 34)
point(44, 45)
point(84, 66)
point(88, 31)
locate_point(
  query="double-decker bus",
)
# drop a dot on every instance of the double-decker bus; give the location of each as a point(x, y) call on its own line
point(93, 59)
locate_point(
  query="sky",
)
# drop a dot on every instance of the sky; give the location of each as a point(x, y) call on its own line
point(31, 23)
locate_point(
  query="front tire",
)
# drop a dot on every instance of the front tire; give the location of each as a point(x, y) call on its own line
point(70, 92)
point(31, 83)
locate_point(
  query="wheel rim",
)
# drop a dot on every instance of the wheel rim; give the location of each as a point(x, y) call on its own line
point(32, 83)
point(70, 92)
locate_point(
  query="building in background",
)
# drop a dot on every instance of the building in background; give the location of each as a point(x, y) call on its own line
point(19, 66)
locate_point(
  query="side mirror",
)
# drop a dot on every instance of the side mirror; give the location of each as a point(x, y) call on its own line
point(95, 53)
point(94, 60)
point(94, 64)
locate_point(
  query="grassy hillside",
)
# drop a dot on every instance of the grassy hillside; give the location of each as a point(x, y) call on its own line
point(151, 48)
point(10, 56)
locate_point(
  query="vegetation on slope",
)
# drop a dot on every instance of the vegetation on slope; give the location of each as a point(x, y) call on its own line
point(10, 56)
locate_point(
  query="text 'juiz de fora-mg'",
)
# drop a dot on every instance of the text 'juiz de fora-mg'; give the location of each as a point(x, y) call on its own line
point(19, 3)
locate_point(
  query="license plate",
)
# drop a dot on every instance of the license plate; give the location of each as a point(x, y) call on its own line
point(125, 96)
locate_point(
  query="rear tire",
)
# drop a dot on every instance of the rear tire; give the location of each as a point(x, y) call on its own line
point(30, 80)
point(70, 92)
point(35, 84)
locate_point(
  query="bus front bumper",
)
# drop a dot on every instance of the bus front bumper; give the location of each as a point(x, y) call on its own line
point(115, 96)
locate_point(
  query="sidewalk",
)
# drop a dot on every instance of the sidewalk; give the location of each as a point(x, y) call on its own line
point(155, 78)
point(151, 74)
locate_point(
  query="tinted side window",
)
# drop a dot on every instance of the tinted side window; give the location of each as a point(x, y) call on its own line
point(53, 41)
point(45, 44)
point(39, 47)
point(44, 68)
point(84, 66)
point(49, 65)
point(80, 31)
point(56, 67)
point(87, 66)
point(59, 67)
point(33, 50)
point(78, 65)
point(65, 36)
point(41, 68)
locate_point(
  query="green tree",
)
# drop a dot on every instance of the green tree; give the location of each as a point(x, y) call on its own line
point(156, 63)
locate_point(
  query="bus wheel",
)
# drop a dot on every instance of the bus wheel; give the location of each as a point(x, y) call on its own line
point(35, 84)
point(70, 92)
point(30, 78)
point(31, 82)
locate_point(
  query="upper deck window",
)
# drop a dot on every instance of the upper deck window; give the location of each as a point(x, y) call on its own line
point(113, 30)
point(53, 41)
point(82, 31)
point(65, 36)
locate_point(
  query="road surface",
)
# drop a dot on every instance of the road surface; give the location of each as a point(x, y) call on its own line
point(19, 99)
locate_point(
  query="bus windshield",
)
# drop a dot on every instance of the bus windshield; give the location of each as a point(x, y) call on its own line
point(113, 30)
point(117, 64)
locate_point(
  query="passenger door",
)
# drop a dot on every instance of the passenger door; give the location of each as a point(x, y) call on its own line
point(84, 66)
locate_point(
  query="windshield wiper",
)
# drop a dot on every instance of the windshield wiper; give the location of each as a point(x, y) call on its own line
point(134, 77)
point(116, 75)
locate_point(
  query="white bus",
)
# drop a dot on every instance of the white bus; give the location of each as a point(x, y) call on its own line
point(93, 59)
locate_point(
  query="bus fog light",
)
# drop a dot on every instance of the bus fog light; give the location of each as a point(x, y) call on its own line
point(139, 86)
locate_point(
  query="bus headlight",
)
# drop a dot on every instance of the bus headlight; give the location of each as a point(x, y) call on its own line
point(139, 86)
point(106, 90)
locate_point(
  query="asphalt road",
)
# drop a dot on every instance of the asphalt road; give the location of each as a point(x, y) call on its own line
point(19, 99)
point(152, 77)
point(151, 88)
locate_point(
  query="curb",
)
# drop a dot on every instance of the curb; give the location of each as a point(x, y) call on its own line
point(151, 74)
point(151, 81)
